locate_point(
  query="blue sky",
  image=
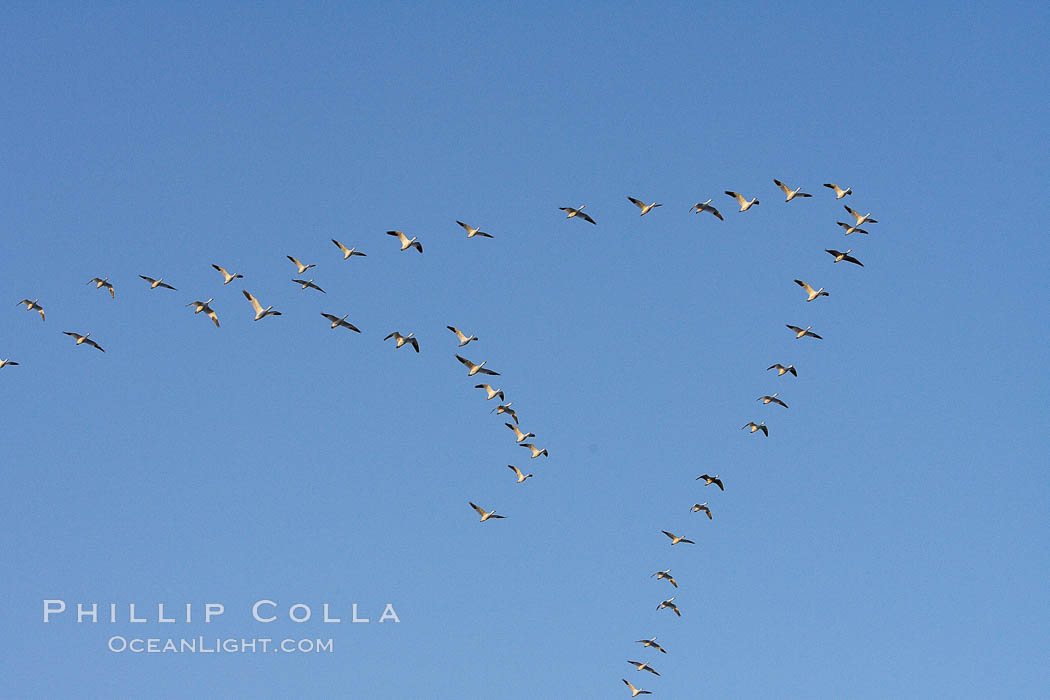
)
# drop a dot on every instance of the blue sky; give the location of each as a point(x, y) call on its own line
point(888, 539)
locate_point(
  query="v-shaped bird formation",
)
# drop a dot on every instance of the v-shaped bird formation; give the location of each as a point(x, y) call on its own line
point(463, 339)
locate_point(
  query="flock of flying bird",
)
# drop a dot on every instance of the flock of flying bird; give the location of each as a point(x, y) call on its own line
point(505, 407)
point(774, 398)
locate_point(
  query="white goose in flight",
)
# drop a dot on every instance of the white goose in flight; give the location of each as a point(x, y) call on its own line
point(840, 256)
point(803, 332)
point(813, 293)
point(406, 242)
point(5, 363)
point(755, 427)
point(227, 277)
point(706, 206)
point(697, 507)
point(100, 283)
point(577, 212)
point(766, 400)
point(651, 643)
point(347, 252)
point(33, 306)
point(505, 408)
point(475, 369)
point(340, 321)
point(471, 231)
point(708, 480)
point(518, 434)
point(199, 306)
point(635, 692)
point(153, 284)
point(403, 339)
point(642, 666)
point(485, 515)
point(521, 477)
point(669, 603)
point(491, 393)
point(790, 193)
point(536, 452)
point(260, 312)
point(839, 192)
point(84, 339)
point(646, 208)
point(666, 574)
point(302, 268)
point(309, 284)
point(675, 539)
point(861, 218)
point(463, 339)
point(744, 203)
point(851, 229)
point(782, 370)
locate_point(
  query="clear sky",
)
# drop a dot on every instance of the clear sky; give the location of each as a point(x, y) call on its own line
point(888, 539)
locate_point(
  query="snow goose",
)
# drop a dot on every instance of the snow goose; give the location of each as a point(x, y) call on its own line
point(536, 452)
point(492, 393)
point(463, 339)
point(766, 400)
point(402, 339)
point(227, 277)
point(340, 321)
point(839, 192)
point(790, 193)
point(782, 370)
point(302, 268)
point(485, 515)
point(5, 363)
point(744, 204)
point(675, 539)
point(646, 208)
point(518, 434)
point(153, 284)
point(755, 427)
point(309, 284)
point(578, 212)
point(635, 692)
point(706, 206)
point(666, 574)
point(803, 332)
point(100, 283)
point(406, 242)
point(199, 306)
point(260, 312)
point(642, 666)
point(33, 306)
point(651, 642)
point(708, 480)
point(697, 507)
point(505, 408)
point(83, 339)
point(812, 293)
point(475, 369)
point(471, 231)
point(851, 229)
point(521, 477)
point(840, 256)
point(669, 603)
point(347, 252)
point(861, 218)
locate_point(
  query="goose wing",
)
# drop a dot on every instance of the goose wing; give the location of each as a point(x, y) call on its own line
point(253, 301)
point(809, 290)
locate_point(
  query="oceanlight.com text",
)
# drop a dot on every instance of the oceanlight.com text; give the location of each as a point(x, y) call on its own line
point(218, 645)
